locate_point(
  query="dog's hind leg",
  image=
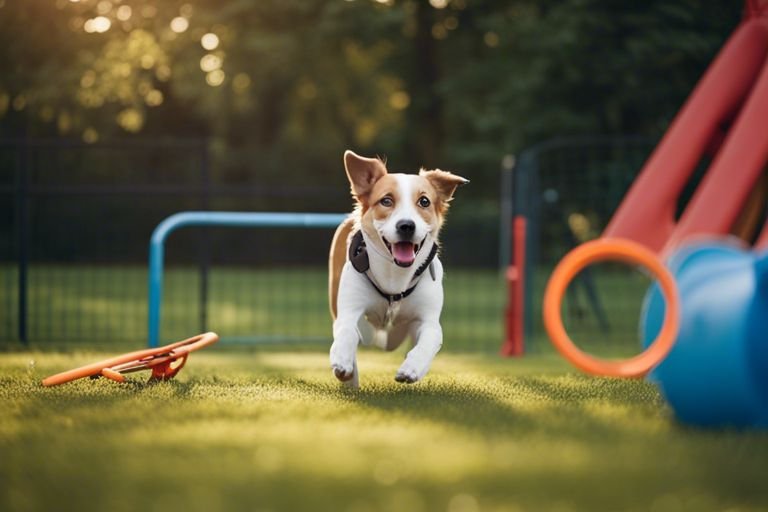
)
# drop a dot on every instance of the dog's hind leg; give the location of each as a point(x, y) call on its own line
point(384, 339)
point(367, 332)
point(429, 339)
point(396, 336)
point(371, 336)
point(336, 259)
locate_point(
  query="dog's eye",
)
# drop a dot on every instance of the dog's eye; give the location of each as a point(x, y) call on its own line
point(424, 202)
point(386, 202)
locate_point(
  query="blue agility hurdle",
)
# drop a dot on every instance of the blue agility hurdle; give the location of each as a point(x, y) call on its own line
point(217, 219)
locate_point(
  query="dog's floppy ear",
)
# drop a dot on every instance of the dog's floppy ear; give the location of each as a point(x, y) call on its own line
point(363, 173)
point(445, 183)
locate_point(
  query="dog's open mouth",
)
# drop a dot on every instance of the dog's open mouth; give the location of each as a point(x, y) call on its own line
point(404, 253)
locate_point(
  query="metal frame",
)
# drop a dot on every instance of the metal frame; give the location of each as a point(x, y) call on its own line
point(216, 219)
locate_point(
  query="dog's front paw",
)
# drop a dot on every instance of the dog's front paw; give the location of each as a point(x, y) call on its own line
point(409, 373)
point(342, 364)
point(343, 373)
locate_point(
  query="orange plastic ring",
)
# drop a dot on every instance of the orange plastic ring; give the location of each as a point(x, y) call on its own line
point(616, 250)
point(153, 358)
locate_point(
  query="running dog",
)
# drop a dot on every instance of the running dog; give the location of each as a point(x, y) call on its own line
point(385, 279)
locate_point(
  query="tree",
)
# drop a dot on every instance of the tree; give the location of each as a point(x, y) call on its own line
point(289, 84)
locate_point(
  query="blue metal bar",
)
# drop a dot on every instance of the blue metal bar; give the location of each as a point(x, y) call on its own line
point(218, 219)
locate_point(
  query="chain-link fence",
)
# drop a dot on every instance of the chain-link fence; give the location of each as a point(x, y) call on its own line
point(568, 189)
point(76, 221)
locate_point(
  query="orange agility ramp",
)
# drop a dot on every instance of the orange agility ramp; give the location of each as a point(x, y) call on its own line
point(724, 118)
point(165, 362)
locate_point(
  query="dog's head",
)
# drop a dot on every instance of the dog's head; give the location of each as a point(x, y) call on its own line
point(399, 213)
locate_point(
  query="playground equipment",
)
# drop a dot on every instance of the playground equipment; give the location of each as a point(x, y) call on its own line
point(716, 371)
point(619, 250)
point(165, 362)
point(515, 275)
point(221, 219)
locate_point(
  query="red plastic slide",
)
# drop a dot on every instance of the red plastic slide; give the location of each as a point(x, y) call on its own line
point(725, 118)
point(733, 93)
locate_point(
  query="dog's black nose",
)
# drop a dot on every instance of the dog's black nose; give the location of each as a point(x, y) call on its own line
point(405, 227)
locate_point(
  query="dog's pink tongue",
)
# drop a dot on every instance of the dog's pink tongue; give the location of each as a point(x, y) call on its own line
point(404, 252)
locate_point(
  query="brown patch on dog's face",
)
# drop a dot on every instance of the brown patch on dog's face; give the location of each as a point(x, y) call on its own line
point(400, 213)
point(428, 204)
point(389, 192)
point(445, 184)
point(382, 202)
point(401, 199)
point(384, 197)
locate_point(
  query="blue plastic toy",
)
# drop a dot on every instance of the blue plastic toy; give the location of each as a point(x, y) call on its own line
point(717, 372)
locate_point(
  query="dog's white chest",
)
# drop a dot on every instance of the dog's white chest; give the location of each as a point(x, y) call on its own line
point(384, 316)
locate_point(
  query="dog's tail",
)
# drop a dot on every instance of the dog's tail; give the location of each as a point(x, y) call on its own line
point(336, 260)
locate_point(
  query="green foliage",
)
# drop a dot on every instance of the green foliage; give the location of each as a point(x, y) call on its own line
point(291, 83)
point(574, 67)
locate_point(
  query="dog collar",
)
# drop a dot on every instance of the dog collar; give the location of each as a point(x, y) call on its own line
point(358, 256)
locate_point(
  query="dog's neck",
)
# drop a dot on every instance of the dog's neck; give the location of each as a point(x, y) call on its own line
point(386, 274)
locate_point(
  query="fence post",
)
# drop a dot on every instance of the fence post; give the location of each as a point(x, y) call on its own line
point(22, 233)
point(205, 239)
point(506, 201)
point(527, 205)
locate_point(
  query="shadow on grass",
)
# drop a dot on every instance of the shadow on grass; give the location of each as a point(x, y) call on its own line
point(445, 403)
point(520, 405)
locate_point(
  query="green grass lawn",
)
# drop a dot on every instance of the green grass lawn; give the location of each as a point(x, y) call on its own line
point(271, 430)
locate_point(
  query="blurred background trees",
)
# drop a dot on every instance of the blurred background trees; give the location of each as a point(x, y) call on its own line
point(280, 88)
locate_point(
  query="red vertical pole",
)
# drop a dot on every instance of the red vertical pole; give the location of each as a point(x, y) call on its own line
point(515, 324)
